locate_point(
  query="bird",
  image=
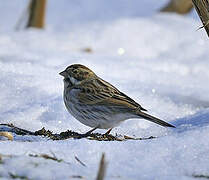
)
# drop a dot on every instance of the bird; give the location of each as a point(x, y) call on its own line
point(98, 104)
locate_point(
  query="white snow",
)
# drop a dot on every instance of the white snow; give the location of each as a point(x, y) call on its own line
point(160, 60)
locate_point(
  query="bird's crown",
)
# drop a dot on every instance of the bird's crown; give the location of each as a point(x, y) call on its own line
point(77, 73)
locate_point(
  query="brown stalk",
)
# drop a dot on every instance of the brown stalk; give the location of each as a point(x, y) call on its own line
point(102, 168)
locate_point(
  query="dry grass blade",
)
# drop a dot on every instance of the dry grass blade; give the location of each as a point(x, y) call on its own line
point(102, 168)
point(8, 135)
point(46, 156)
point(133, 138)
point(76, 158)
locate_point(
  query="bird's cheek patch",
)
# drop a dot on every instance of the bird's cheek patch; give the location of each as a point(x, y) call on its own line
point(73, 80)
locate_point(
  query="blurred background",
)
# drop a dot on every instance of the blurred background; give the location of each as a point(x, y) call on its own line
point(63, 14)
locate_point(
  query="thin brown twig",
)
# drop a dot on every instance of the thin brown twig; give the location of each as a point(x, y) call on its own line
point(102, 168)
point(76, 158)
point(46, 156)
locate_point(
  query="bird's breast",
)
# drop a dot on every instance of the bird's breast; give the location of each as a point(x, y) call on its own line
point(71, 95)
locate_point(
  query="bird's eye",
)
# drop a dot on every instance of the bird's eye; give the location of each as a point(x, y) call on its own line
point(85, 73)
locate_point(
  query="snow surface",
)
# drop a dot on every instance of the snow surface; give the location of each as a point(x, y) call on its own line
point(160, 60)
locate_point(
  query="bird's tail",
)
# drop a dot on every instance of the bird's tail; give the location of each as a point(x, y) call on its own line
point(154, 119)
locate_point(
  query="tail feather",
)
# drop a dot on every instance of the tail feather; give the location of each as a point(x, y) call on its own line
point(155, 120)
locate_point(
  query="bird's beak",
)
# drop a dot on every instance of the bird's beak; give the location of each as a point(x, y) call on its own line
point(63, 73)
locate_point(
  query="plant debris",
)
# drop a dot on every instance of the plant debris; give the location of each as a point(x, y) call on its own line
point(77, 177)
point(46, 156)
point(102, 168)
point(16, 130)
point(6, 134)
point(200, 176)
point(87, 50)
point(76, 158)
point(67, 134)
point(15, 176)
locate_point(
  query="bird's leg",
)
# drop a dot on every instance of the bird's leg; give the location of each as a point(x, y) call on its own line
point(89, 132)
point(108, 132)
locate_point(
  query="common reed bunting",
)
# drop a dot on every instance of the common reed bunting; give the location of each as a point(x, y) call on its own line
point(98, 104)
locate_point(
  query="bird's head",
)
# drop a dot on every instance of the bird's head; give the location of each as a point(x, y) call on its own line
point(76, 73)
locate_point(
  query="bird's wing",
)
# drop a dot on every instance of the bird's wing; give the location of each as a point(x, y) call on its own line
point(101, 92)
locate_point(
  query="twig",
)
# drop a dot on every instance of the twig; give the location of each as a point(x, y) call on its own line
point(17, 130)
point(102, 168)
point(77, 177)
point(132, 138)
point(46, 156)
point(76, 158)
